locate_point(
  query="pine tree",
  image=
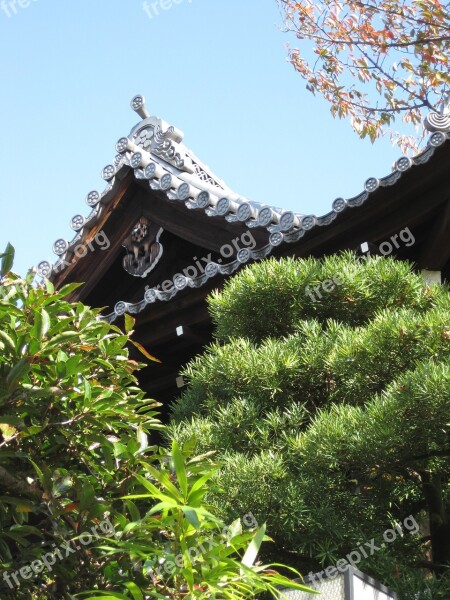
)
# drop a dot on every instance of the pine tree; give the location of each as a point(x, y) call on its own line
point(326, 395)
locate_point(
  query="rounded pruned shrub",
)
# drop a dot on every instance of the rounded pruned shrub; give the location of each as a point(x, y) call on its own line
point(269, 298)
point(325, 399)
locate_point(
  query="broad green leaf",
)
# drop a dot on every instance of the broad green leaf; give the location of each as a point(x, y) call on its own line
point(26, 504)
point(189, 577)
point(164, 480)
point(68, 289)
point(41, 324)
point(9, 309)
point(87, 496)
point(253, 549)
point(191, 515)
point(135, 591)
point(129, 323)
point(19, 370)
point(7, 259)
point(152, 489)
point(160, 506)
point(87, 391)
point(49, 287)
point(62, 338)
point(26, 529)
point(39, 472)
point(7, 339)
point(133, 510)
point(201, 481)
point(208, 515)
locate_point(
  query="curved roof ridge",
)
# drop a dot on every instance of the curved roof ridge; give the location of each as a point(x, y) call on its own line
point(155, 153)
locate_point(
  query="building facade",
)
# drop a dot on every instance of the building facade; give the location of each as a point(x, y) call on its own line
point(166, 231)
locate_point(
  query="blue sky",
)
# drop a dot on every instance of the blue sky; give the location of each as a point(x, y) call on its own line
point(216, 69)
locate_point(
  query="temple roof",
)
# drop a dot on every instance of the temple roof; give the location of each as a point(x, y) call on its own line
point(153, 153)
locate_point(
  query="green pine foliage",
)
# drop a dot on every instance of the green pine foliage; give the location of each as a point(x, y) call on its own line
point(270, 299)
point(331, 415)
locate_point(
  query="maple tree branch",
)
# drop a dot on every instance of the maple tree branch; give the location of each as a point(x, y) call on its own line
point(388, 11)
point(396, 81)
point(376, 9)
point(382, 45)
point(376, 109)
point(399, 50)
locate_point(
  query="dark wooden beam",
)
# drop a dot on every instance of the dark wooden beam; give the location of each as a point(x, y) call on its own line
point(161, 384)
point(194, 225)
point(380, 217)
point(185, 333)
point(436, 252)
point(164, 328)
point(116, 222)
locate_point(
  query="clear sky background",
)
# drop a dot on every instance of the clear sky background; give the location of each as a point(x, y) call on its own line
point(216, 69)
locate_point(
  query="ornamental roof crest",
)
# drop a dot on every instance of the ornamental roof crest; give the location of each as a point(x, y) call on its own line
point(159, 138)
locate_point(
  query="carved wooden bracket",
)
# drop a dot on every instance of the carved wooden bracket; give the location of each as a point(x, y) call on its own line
point(143, 248)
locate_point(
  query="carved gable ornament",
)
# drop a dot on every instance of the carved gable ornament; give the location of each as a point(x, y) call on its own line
point(143, 247)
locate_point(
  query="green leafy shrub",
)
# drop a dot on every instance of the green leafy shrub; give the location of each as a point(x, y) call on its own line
point(89, 508)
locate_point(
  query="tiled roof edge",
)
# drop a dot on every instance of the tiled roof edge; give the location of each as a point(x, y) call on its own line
point(168, 166)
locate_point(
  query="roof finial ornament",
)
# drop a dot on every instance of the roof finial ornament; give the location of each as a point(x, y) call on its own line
point(138, 105)
point(439, 121)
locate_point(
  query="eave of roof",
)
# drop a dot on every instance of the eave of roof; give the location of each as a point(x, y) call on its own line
point(165, 164)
